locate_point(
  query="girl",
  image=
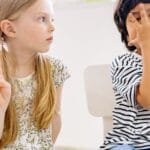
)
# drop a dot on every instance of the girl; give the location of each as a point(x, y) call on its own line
point(131, 79)
point(30, 83)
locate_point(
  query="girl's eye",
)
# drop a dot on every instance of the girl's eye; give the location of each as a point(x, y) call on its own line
point(138, 19)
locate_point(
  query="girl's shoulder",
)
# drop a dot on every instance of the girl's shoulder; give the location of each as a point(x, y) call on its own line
point(56, 63)
point(60, 71)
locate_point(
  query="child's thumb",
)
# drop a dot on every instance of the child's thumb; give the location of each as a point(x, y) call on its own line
point(133, 43)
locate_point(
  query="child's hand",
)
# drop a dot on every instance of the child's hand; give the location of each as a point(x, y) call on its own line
point(142, 28)
point(5, 92)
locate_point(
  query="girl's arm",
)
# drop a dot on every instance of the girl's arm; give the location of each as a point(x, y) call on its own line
point(5, 96)
point(143, 92)
point(2, 117)
point(56, 122)
point(143, 40)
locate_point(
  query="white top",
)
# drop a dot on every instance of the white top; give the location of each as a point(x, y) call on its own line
point(29, 138)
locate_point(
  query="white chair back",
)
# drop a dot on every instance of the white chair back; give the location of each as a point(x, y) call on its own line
point(99, 93)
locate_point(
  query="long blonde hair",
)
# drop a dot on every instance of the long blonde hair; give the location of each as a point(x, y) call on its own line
point(44, 100)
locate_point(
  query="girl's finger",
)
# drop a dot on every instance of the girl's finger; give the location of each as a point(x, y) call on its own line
point(143, 14)
point(1, 71)
point(133, 43)
point(133, 20)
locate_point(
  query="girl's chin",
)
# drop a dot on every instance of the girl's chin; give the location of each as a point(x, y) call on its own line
point(44, 50)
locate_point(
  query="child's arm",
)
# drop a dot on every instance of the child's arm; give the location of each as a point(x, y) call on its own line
point(2, 116)
point(56, 122)
point(5, 95)
point(143, 92)
point(143, 39)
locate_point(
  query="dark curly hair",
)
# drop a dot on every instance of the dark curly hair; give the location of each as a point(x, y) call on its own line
point(120, 15)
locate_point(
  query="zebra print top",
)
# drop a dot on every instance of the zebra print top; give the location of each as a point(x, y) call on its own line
point(131, 122)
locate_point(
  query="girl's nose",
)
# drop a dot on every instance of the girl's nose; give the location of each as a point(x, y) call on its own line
point(51, 27)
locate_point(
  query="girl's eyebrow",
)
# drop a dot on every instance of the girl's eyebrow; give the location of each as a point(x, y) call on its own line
point(46, 14)
point(43, 13)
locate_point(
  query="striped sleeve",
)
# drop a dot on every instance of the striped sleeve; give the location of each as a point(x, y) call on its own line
point(126, 72)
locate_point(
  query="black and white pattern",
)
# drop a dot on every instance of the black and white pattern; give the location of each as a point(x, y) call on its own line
point(131, 122)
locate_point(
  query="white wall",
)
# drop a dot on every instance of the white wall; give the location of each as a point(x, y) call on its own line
point(85, 35)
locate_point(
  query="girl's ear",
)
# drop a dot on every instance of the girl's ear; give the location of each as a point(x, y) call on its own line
point(7, 28)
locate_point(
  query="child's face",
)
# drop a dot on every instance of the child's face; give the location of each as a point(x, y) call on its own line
point(34, 28)
point(131, 26)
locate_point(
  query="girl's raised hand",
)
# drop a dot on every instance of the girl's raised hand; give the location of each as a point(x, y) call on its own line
point(142, 28)
point(5, 92)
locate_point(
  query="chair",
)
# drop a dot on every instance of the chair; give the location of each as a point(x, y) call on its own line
point(99, 93)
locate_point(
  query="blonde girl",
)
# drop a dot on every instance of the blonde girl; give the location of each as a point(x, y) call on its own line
point(30, 83)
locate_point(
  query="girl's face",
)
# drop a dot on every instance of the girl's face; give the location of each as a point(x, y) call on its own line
point(34, 27)
point(131, 26)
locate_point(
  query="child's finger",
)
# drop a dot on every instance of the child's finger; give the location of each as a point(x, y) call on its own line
point(143, 14)
point(133, 42)
point(133, 20)
point(1, 72)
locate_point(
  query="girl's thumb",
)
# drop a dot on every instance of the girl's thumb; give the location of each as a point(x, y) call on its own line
point(132, 43)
